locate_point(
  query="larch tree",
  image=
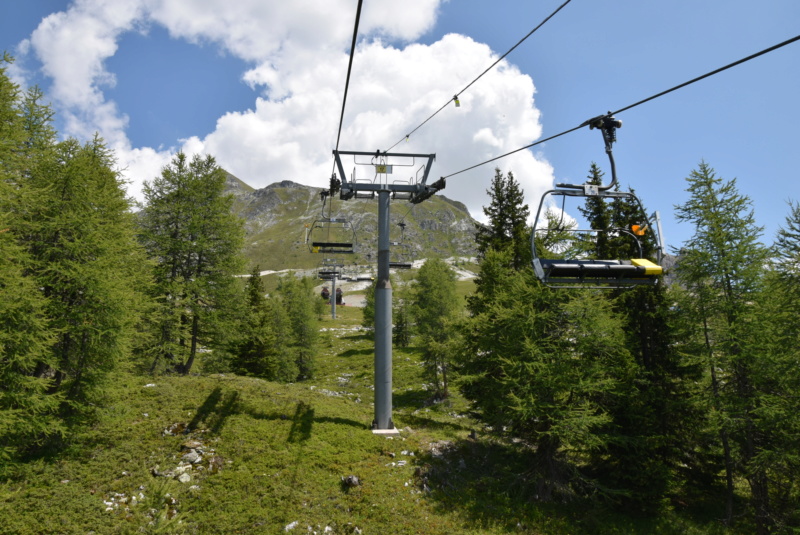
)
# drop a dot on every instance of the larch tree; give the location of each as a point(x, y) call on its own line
point(777, 327)
point(27, 410)
point(189, 230)
point(298, 301)
point(434, 307)
point(80, 232)
point(261, 347)
point(722, 267)
point(787, 254)
point(642, 460)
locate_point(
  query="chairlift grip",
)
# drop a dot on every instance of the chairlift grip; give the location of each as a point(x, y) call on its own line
point(607, 125)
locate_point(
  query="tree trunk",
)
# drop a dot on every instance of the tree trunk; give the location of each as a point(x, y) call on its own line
point(193, 347)
point(445, 390)
point(723, 434)
point(549, 473)
point(726, 449)
point(759, 483)
point(759, 488)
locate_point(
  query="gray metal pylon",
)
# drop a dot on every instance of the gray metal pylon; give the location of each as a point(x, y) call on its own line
point(333, 297)
point(383, 322)
point(415, 190)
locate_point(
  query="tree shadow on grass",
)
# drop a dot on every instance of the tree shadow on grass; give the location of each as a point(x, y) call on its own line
point(489, 481)
point(217, 407)
point(412, 399)
point(494, 484)
point(356, 352)
point(302, 421)
point(420, 420)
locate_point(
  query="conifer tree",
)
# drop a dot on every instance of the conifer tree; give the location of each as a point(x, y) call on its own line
point(368, 316)
point(37, 122)
point(70, 272)
point(507, 225)
point(80, 232)
point(434, 306)
point(12, 132)
point(401, 316)
point(787, 252)
point(777, 329)
point(368, 312)
point(722, 266)
point(188, 229)
point(261, 349)
point(643, 458)
point(297, 298)
point(27, 411)
point(545, 366)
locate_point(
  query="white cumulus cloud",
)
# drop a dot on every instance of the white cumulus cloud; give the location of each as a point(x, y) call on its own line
point(298, 52)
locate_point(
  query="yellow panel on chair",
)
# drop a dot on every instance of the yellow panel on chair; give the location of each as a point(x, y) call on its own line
point(650, 268)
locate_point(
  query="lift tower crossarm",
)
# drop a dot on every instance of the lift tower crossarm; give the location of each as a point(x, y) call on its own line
point(416, 192)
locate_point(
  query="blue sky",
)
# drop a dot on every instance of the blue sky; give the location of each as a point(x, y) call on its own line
point(260, 87)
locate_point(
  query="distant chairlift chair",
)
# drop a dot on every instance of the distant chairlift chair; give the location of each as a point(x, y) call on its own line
point(402, 251)
point(330, 235)
point(329, 269)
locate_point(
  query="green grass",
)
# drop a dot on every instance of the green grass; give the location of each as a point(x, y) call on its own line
point(283, 451)
point(465, 288)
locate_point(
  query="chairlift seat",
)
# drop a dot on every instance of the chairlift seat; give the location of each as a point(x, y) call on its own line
point(331, 235)
point(400, 265)
point(332, 247)
point(331, 244)
point(614, 272)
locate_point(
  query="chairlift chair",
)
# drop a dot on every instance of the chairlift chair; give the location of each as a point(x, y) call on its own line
point(329, 269)
point(402, 251)
point(357, 273)
point(582, 271)
point(330, 235)
point(402, 259)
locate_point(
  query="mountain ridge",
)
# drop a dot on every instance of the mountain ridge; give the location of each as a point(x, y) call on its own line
point(279, 216)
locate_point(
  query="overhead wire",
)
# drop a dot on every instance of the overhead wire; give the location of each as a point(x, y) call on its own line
point(344, 98)
point(626, 108)
point(501, 58)
point(349, 70)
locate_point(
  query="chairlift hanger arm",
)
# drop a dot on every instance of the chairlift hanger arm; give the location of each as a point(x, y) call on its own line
point(607, 125)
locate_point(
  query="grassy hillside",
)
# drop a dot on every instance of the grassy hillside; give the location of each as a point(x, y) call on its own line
point(272, 458)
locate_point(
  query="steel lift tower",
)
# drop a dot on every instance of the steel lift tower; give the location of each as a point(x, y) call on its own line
point(380, 169)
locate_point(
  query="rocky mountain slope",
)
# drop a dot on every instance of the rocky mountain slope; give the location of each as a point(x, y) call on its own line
point(278, 217)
